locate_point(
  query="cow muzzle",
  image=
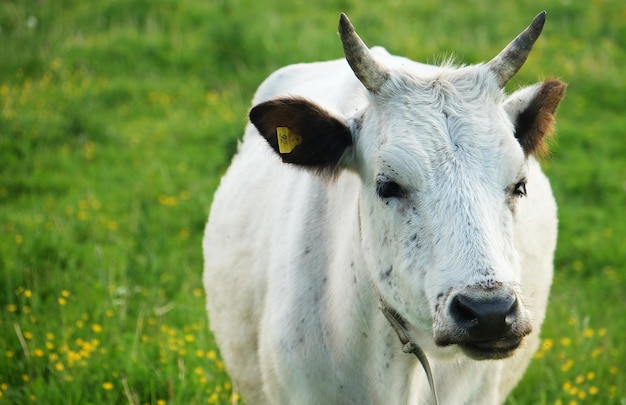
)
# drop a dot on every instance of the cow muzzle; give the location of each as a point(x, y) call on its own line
point(486, 323)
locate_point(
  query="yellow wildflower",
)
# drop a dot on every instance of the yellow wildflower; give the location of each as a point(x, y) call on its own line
point(73, 357)
point(167, 200)
point(578, 265)
point(567, 365)
point(547, 344)
point(95, 204)
point(107, 386)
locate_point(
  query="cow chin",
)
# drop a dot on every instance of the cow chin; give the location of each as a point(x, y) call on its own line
point(491, 350)
point(496, 349)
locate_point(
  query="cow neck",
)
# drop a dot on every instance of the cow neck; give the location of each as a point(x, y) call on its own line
point(408, 346)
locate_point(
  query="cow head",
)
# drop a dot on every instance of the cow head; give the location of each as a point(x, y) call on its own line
point(442, 160)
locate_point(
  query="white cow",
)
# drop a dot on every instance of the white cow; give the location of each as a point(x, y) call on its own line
point(405, 185)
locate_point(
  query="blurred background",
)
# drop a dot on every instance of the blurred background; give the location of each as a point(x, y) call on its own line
point(118, 117)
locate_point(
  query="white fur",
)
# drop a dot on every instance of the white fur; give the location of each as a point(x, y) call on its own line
point(293, 262)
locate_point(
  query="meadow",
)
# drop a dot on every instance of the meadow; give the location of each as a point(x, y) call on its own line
point(117, 119)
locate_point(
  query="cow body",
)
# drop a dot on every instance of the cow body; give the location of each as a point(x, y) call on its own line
point(298, 256)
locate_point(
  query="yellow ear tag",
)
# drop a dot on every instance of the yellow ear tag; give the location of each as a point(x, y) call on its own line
point(287, 140)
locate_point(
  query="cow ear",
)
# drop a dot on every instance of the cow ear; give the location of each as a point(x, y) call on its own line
point(302, 133)
point(532, 110)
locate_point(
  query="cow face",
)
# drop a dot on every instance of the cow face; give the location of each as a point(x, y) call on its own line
point(442, 175)
point(442, 160)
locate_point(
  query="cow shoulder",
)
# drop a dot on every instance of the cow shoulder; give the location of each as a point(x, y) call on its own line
point(532, 110)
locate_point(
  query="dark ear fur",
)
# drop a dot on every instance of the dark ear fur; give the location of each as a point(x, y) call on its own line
point(536, 121)
point(324, 138)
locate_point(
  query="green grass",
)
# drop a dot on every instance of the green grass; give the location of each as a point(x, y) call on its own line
point(117, 119)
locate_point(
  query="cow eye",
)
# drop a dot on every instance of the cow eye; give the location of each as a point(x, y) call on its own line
point(519, 189)
point(388, 189)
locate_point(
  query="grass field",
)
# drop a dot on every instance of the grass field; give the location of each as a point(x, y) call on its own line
point(118, 117)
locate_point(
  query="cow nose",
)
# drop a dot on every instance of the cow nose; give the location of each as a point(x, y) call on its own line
point(485, 316)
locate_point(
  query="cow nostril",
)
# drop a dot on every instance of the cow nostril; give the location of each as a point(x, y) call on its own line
point(462, 312)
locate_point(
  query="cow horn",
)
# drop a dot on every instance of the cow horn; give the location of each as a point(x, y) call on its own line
point(511, 59)
point(366, 68)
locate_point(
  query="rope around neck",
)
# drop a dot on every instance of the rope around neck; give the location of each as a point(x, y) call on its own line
point(398, 324)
